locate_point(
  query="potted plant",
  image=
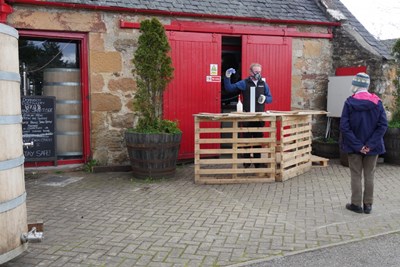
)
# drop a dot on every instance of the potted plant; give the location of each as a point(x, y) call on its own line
point(153, 143)
point(326, 147)
point(392, 135)
point(392, 140)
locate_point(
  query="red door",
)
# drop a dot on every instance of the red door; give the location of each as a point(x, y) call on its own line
point(196, 85)
point(275, 56)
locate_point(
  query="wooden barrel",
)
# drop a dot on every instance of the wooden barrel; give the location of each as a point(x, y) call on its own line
point(153, 155)
point(13, 220)
point(325, 149)
point(392, 146)
point(344, 159)
point(65, 85)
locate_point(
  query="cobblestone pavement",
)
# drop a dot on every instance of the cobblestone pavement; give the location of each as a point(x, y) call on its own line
point(110, 219)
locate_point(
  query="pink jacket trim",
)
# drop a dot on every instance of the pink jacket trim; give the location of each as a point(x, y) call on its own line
point(367, 96)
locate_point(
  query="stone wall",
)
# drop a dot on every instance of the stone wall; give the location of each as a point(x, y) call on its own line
point(349, 50)
point(111, 83)
point(312, 65)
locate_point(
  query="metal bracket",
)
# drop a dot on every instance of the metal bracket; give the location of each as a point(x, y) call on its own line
point(32, 236)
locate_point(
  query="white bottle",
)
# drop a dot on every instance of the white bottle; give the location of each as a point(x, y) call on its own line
point(239, 105)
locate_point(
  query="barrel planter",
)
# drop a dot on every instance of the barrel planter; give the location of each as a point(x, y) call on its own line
point(344, 159)
point(65, 85)
point(153, 155)
point(325, 149)
point(13, 216)
point(392, 146)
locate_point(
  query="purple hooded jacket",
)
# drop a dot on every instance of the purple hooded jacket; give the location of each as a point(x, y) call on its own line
point(363, 123)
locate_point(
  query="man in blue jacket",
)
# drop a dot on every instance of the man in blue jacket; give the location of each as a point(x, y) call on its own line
point(256, 94)
point(362, 125)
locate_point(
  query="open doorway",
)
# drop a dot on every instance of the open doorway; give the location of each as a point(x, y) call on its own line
point(231, 58)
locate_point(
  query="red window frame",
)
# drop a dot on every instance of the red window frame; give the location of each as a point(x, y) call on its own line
point(83, 62)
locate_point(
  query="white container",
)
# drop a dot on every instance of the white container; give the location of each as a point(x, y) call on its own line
point(239, 105)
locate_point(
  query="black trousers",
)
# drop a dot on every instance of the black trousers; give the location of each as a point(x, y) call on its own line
point(251, 124)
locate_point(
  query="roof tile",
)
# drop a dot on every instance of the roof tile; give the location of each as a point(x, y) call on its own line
point(303, 10)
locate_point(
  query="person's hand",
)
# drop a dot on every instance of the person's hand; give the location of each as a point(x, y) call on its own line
point(261, 99)
point(364, 150)
point(229, 72)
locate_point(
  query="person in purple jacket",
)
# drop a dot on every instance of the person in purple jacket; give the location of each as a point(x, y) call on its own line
point(256, 94)
point(362, 126)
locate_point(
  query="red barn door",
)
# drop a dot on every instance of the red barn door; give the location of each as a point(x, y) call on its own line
point(275, 56)
point(196, 85)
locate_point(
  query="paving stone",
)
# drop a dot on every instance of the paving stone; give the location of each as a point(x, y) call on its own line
point(106, 219)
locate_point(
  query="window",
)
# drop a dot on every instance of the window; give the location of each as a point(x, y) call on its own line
point(40, 54)
point(52, 64)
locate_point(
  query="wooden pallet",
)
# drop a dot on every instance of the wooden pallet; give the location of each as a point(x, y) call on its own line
point(285, 147)
point(293, 151)
point(220, 160)
point(319, 161)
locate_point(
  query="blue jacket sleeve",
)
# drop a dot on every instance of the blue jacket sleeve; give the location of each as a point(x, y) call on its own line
point(376, 138)
point(231, 87)
point(268, 95)
point(350, 142)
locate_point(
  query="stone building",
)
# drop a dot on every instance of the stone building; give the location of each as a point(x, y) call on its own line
point(299, 43)
point(354, 46)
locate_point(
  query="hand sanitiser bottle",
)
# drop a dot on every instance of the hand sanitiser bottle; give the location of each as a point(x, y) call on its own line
point(239, 105)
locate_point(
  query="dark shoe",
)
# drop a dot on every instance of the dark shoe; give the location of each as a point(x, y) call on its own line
point(367, 208)
point(246, 165)
point(354, 208)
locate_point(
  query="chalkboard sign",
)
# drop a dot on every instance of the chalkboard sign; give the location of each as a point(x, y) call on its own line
point(38, 128)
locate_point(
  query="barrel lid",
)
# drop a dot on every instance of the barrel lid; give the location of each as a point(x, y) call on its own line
point(8, 30)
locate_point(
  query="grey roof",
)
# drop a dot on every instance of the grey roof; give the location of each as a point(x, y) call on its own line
point(378, 46)
point(303, 10)
point(296, 10)
point(389, 43)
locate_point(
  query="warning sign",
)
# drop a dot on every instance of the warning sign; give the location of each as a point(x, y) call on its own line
point(212, 79)
point(213, 69)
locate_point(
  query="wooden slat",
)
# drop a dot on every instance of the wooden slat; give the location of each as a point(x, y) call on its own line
point(236, 150)
point(290, 173)
point(237, 171)
point(297, 145)
point(297, 160)
point(237, 161)
point(319, 161)
point(289, 155)
point(236, 130)
point(252, 141)
point(296, 130)
point(296, 137)
point(242, 180)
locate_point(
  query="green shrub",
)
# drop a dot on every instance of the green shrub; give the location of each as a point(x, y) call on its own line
point(395, 121)
point(153, 69)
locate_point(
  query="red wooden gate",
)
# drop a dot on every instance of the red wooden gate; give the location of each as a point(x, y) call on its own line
point(195, 88)
point(196, 85)
point(275, 56)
